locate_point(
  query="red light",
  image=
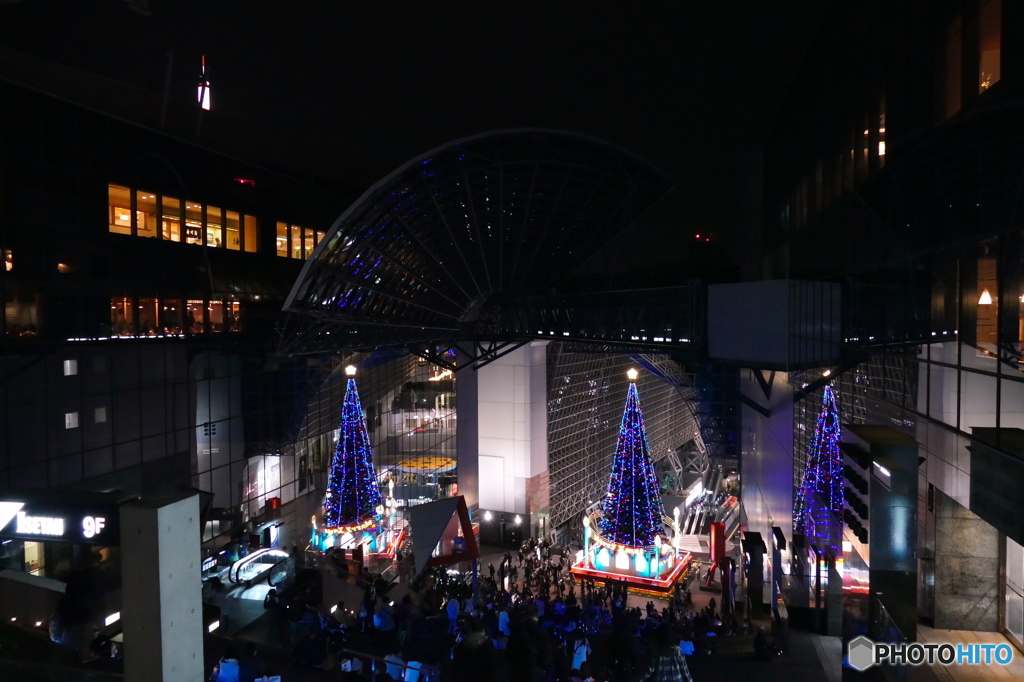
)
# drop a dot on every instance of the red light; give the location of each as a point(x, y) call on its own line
point(696, 236)
point(246, 181)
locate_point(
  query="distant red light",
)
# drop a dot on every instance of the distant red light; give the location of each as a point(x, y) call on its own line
point(246, 181)
point(696, 236)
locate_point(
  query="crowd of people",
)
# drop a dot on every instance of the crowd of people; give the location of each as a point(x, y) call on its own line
point(528, 619)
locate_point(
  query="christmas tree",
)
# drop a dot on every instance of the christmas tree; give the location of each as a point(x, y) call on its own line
point(632, 512)
point(352, 492)
point(820, 497)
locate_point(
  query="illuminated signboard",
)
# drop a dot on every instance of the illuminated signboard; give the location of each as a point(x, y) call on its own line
point(70, 521)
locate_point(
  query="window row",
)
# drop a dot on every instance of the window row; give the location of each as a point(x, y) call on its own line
point(296, 242)
point(173, 316)
point(71, 420)
point(147, 214)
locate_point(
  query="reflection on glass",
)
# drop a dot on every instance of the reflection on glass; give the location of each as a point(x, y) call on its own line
point(250, 233)
point(988, 305)
point(171, 218)
point(195, 316)
point(233, 233)
point(145, 213)
point(954, 65)
point(193, 223)
point(990, 44)
point(119, 204)
point(216, 312)
point(147, 316)
point(214, 227)
point(234, 320)
point(172, 315)
point(296, 241)
point(308, 240)
point(282, 240)
point(122, 317)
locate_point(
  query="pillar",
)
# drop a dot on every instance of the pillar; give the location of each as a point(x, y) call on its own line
point(162, 608)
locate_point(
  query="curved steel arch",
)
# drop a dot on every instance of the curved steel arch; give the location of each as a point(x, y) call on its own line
point(418, 257)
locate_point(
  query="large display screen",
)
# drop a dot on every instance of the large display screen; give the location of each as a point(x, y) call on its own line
point(94, 522)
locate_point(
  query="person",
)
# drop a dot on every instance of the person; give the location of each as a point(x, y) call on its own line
point(473, 657)
point(668, 663)
point(227, 670)
point(249, 666)
point(580, 652)
point(395, 665)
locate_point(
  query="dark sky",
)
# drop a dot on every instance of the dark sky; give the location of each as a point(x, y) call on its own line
point(690, 85)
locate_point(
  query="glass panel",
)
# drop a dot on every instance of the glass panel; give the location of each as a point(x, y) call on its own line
point(195, 316)
point(21, 316)
point(250, 233)
point(991, 43)
point(214, 227)
point(954, 65)
point(216, 311)
point(171, 218)
point(145, 213)
point(233, 233)
point(119, 204)
point(282, 240)
point(193, 223)
point(308, 237)
point(319, 237)
point(881, 133)
point(172, 316)
point(234, 311)
point(148, 317)
point(122, 317)
point(296, 241)
point(988, 305)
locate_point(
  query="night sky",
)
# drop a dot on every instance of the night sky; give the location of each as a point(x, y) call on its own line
point(691, 86)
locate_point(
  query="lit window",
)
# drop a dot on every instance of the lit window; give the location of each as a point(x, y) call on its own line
point(145, 214)
point(100, 415)
point(70, 368)
point(250, 233)
point(119, 204)
point(8, 260)
point(990, 44)
point(282, 239)
point(70, 420)
point(203, 93)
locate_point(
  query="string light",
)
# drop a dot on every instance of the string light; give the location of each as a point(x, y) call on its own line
point(353, 494)
point(632, 511)
point(820, 497)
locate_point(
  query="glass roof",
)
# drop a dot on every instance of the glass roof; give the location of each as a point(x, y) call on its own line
point(506, 212)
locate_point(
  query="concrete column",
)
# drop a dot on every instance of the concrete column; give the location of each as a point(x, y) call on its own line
point(162, 608)
point(512, 427)
point(966, 568)
point(467, 446)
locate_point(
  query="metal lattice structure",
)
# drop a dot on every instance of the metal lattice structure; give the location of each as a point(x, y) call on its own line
point(585, 393)
point(474, 240)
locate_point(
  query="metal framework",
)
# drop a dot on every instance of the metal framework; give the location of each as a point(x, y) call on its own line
point(475, 240)
point(585, 394)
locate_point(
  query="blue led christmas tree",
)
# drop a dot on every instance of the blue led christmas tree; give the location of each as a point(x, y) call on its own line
point(632, 513)
point(352, 492)
point(819, 503)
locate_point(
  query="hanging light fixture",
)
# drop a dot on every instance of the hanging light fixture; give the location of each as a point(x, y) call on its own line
point(986, 298)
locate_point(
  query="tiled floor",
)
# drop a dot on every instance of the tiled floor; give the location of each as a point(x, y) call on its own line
point(968, 673)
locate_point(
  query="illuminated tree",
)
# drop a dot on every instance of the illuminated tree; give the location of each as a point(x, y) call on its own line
point(352, 492)
point(819, 503)
point(633, 511)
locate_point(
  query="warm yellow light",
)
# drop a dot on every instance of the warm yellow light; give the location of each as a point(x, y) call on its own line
point(826, 373)
point(986, 298)
point(632, 374)
point(350, 371)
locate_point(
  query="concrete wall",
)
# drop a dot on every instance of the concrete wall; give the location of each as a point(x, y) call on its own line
point(162, 608)
point(512, 421)
point(966, 568)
